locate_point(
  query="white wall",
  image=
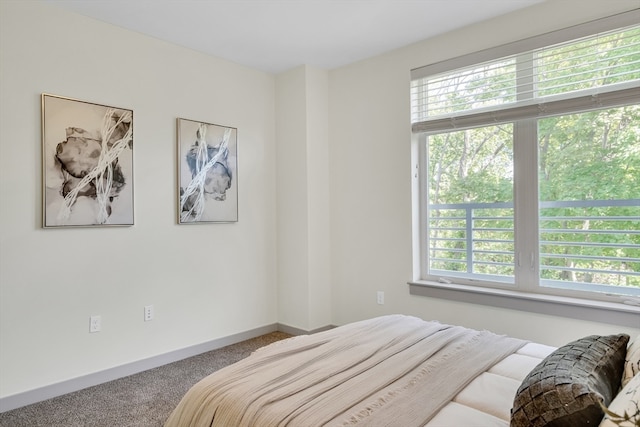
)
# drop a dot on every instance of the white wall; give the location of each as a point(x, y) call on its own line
point(370, 158)
point(319, 202)
point(52, 280)
point(304, 271)
point(292, 221)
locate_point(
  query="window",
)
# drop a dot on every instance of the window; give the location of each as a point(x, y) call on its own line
point(529, 165)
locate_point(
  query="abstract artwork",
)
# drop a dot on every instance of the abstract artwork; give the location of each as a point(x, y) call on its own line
point(87, 158)
point(207, 172)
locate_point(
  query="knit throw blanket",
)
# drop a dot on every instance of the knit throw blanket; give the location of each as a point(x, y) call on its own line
point(391, 370)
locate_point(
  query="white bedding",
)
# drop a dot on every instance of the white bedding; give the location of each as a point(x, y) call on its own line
point(386, 371)
point(487, 401)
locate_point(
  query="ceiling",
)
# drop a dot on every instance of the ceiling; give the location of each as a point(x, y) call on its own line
point(276, 35)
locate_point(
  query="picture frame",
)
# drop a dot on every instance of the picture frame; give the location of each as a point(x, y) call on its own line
point(207, 172)
point(87, 164)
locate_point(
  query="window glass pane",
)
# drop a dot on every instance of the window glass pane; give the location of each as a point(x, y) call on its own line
point(589, 182)
point(593, 62)
point(480, 86)
point(470, 203)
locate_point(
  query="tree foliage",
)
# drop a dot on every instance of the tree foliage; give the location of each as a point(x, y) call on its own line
point(588, 161)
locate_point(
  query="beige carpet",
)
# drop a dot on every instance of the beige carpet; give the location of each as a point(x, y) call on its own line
point(140, 400)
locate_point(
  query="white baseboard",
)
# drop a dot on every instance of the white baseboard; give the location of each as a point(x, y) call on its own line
point(58, 389)
point(292, 330)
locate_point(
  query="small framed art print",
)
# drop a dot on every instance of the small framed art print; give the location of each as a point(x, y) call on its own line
point(207, 172)
point(87, 162)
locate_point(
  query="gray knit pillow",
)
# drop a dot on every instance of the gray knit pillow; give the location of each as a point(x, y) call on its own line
point(566, 388)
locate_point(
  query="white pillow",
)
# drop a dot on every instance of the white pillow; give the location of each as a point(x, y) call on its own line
point(625, 402)
point(631, 361)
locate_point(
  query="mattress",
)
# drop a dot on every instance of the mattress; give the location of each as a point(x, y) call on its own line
point(487, 400)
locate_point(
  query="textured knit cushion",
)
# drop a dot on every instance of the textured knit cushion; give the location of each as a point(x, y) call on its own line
point(632, 361)
point(625, 405)
point(566, 388)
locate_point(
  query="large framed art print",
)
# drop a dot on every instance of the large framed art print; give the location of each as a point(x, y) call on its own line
point(207, 172)
point(87, 158)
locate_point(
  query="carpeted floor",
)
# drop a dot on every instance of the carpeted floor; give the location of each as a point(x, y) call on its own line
point(140, 400)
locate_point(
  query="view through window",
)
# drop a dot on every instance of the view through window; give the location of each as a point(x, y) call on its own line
point(559, 127)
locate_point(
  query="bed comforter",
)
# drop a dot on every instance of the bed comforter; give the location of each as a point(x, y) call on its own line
point(388, 371)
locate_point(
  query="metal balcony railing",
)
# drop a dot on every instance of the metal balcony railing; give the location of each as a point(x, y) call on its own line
point(592, 241)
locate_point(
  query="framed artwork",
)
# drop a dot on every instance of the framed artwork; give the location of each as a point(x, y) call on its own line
point(207, 172)
point(87, 158)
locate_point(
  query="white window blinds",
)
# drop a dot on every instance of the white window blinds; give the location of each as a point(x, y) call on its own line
point(591, 72)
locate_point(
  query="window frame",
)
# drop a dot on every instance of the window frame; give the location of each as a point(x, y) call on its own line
point(525, 293)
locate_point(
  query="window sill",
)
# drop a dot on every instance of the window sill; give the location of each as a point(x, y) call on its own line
point(595, 311)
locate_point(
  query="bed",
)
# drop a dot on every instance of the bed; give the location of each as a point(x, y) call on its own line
point(403, 371)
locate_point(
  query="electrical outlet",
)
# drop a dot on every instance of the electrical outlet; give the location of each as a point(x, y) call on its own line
point(380, 297)
point(95, 324)
point(148, 313)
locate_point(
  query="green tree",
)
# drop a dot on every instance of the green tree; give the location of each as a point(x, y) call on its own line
point(591, 156)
